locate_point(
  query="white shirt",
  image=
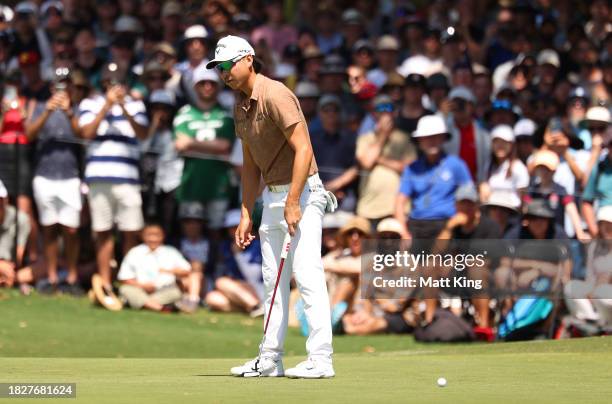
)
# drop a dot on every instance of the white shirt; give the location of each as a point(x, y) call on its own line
point(143, 265)
point(519, 178)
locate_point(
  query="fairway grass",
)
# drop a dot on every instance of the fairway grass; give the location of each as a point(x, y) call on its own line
point(131, 357)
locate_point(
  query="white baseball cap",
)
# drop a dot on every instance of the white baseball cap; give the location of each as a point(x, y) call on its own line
point(232, 48)
point(604, 214)
point(430, 125)
point(525, 127)
point(196, 32)
point(3, 191)
point(201, 73)
point(598, 114)
point(503, 132)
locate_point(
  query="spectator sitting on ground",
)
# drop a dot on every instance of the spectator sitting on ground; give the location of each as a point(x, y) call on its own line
point(502, 210)
point(393, 316)
point(591, 299)
point(239, 286)
point(342, 268)
point(468, 229)
point(148, 273)
point(9, 226)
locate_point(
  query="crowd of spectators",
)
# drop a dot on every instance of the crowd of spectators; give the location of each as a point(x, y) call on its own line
point(460, 119)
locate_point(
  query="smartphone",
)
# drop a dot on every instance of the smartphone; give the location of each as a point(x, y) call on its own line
point(11, 97)
point(555, 125)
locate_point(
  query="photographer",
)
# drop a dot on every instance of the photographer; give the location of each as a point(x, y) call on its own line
point(56, 184)
point(114, 122)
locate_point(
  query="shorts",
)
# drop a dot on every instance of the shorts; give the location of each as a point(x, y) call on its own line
point(58, 201)
point(112, 204)
point(214, 212)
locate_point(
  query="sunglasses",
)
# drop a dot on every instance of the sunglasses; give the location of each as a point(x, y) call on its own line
point(384, 108)
point(225, 66)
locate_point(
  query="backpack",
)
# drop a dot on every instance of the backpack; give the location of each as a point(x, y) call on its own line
point(445, 327)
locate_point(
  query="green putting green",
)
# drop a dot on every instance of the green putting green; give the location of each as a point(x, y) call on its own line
point(134, 357)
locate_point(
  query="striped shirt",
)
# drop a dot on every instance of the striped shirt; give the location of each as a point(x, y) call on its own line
point(113, 155)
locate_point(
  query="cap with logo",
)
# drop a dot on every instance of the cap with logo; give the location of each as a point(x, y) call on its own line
point(230, 48)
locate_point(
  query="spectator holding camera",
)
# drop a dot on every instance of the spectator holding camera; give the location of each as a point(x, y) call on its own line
point(56, 184)
point(383, 153)
point(114, 122)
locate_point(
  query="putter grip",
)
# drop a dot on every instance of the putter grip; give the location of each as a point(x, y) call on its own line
point(286, 246)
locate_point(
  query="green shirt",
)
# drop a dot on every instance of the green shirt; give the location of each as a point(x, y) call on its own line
point(599, 186)
point(204, 180)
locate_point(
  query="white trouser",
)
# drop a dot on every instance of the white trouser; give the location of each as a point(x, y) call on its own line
point(304, 261)
point(598, 307)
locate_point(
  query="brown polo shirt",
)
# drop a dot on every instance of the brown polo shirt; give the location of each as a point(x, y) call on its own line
point(261, 121)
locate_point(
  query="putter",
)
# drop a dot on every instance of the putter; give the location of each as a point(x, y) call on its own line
point(283, 256)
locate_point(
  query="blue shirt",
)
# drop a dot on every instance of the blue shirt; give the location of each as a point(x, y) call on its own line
point(431, 188)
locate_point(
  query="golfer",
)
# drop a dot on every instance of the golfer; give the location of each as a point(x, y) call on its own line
point(276, 146)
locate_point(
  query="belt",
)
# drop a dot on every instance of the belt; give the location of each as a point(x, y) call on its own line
point(314, 182)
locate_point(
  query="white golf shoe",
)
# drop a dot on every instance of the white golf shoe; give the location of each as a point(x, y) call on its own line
point(311, 369)
point(264, 367)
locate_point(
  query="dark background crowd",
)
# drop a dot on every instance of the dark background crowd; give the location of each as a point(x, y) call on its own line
point(444, 119)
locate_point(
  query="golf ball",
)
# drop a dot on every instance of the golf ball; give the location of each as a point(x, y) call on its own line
point(442, 382)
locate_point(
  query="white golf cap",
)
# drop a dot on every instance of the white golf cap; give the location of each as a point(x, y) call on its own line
point(604, 214)
point(525, 127)
point(196, 32)
point(430, 125)
point(232, 48)
point(503, 132)
point(232, 218)
point(201, 73)
point(3, 191)
point(598, 114)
